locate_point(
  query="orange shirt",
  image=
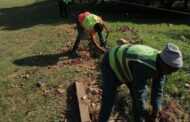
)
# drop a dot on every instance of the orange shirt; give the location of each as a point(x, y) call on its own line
point(81, 18)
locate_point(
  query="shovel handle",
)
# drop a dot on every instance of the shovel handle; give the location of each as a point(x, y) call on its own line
point(107, 37)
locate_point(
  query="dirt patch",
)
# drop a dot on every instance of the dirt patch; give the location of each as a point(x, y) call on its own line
point(122, 112)
point(88, 56)
point(89, 62)
point(173, 112)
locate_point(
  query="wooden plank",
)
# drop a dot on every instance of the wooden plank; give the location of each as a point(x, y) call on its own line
point(83, 108)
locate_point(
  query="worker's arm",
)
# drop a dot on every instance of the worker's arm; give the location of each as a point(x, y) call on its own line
point(140, 92)
point(96, 44)
point(157, 90)
point(102, 41)
point(140, 74)
point(156, 93)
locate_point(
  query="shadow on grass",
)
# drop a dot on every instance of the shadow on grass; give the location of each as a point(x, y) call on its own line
point(139, 15)
point(72, 110)
point(42, 60)
point(44, 12)
point(47, 13)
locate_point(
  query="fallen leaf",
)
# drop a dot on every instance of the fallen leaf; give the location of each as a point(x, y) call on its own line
point(40, 84)
point(93, 105)
point(84, 97)
point(61, 90)
point(187, 85)
point(12, 86)
point(25, 76)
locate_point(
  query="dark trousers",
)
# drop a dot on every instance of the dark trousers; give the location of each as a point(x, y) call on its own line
point(79, 36)
point(109, 92)
point(63, 8)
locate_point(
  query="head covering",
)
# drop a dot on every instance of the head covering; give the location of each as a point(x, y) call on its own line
point(172, 56)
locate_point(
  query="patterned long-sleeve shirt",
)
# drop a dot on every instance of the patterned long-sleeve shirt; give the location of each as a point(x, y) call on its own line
point(141, 73)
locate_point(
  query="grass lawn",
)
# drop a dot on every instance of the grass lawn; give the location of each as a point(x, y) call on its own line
point(33, 30)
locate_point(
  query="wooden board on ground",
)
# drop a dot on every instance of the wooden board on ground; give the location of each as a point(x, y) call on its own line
point(83, 108)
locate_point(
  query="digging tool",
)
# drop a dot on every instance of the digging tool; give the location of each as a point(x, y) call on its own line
point(106, 38)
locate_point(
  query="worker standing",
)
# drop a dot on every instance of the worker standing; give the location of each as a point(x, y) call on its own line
point(64, 7)
point(90, 24)
point(134, 65)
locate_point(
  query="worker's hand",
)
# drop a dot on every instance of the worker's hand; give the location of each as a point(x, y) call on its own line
point(147, 117)
point(108, 31)
point(155, 120)
point(103, 50)
point(155, 115)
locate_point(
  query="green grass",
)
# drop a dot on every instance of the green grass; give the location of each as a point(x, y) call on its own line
point(29, 28)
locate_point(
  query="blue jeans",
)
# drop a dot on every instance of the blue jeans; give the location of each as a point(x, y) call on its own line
point(81, 33)
point(109, 92)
